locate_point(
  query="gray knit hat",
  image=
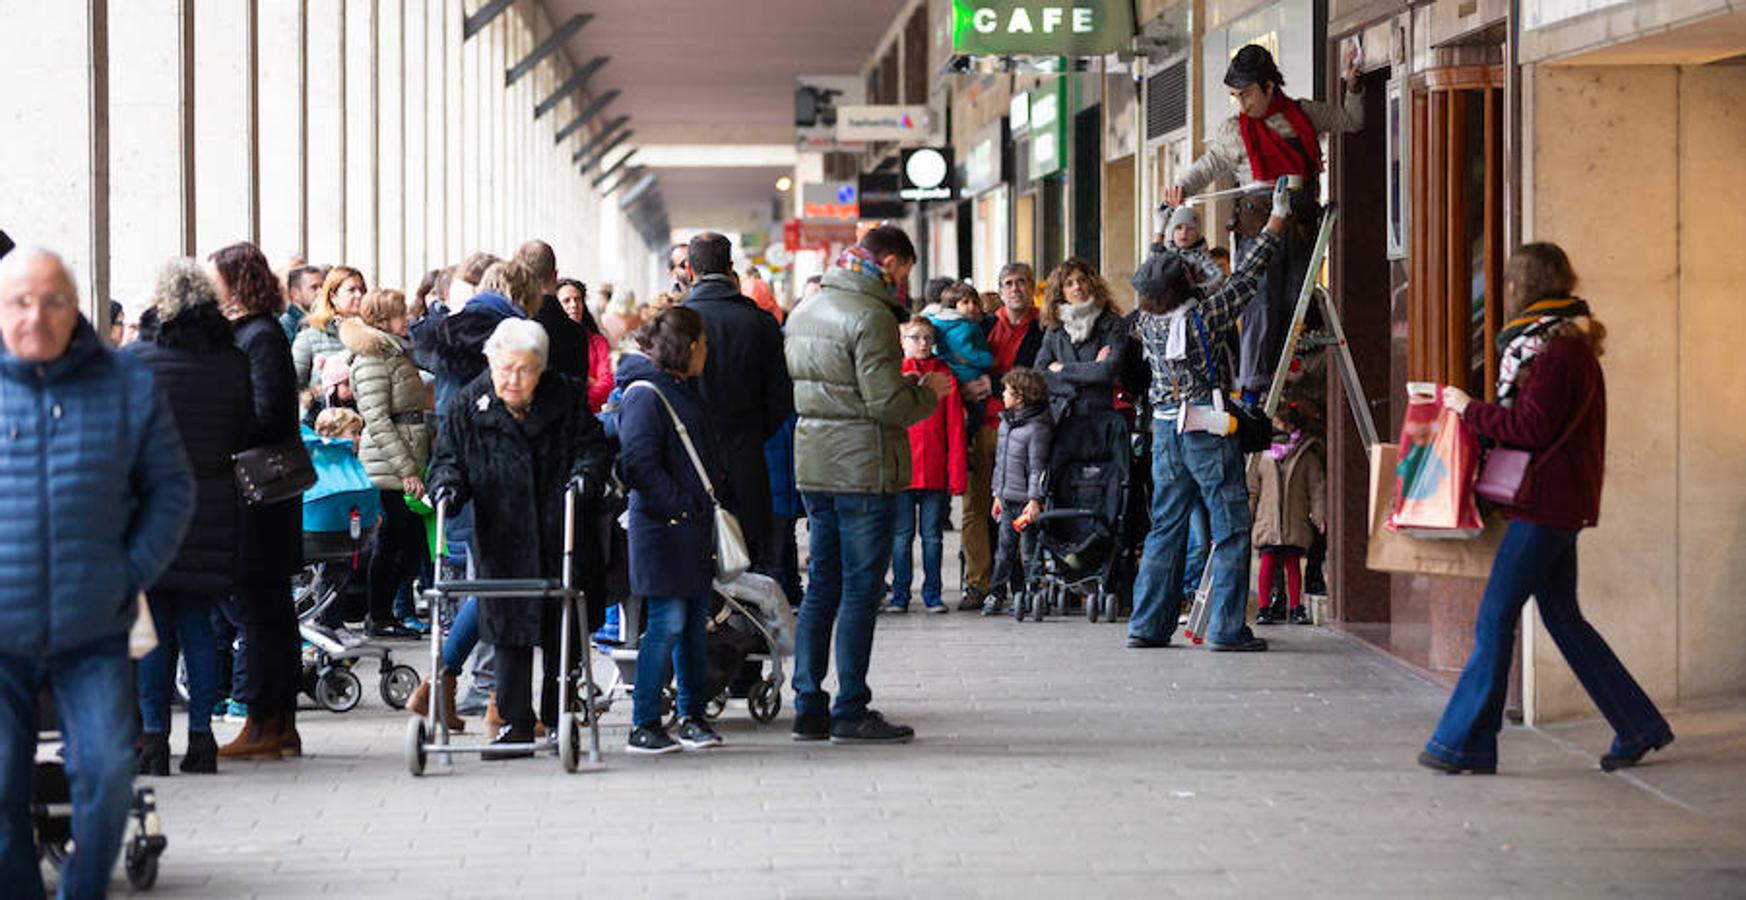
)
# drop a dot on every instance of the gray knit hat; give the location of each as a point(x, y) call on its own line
point(1184, 215)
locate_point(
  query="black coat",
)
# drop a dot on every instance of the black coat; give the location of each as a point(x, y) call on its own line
point(1083, 382)
point(670, 514)
point(205, 379)
point(568, 355)
point(454, 349)
point(272, 536)
point(516, 473)
point(747, 396)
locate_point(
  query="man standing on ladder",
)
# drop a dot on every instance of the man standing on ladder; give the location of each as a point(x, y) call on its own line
point(1271, 136)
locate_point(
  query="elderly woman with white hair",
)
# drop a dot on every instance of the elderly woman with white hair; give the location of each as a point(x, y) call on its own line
point(512, 442)
point(186, 341)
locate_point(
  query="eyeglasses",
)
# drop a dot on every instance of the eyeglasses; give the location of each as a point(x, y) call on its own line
point(54, 302)
point(919, 338)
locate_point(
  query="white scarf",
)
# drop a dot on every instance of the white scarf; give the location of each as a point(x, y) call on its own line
point(1078, 320)
point(1176, 334)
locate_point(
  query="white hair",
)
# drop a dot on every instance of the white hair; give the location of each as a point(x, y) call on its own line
point(182, 284)
point(518, 336)
point(20, 257)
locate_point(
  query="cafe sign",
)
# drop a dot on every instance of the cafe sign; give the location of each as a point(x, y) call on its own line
point(1041, 27)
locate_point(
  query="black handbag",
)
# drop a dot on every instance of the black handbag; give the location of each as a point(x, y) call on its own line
point(274, 473)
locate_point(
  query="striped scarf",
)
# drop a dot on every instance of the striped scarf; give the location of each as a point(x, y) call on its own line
point(1525, 336)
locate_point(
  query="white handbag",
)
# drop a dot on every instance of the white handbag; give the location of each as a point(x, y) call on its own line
point(732, 558)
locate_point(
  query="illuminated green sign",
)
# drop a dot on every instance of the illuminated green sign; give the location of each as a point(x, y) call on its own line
point(1041, 27)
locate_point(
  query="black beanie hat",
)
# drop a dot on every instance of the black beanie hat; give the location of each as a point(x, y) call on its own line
point(1163, 276)
point(1252, 65)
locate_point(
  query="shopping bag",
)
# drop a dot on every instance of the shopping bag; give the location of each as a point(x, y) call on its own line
point(1401, 551)
point(142, 638)
point(1439, 459)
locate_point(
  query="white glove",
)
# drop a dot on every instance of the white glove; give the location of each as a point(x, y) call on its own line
point(1282, 198)
point(1161, 218)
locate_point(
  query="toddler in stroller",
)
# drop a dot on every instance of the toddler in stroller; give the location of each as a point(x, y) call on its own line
point(1081, 527)
point(339, 513)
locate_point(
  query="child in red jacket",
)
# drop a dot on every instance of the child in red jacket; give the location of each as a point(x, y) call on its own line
point(939, 461)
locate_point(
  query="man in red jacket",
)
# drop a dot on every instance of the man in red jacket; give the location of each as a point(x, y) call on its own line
point(939, 464)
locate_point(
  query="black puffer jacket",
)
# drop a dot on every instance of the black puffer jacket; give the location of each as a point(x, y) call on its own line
point(515, 473)
point(272, 536)
point(205, 379)
point(568, 354)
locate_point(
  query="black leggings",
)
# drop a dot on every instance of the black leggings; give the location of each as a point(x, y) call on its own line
point(515, 675)
point(399, 556)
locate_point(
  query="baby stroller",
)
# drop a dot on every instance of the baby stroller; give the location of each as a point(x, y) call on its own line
point(750, 621)
point(1082, 536)
point(51, 810)
point(339, 513)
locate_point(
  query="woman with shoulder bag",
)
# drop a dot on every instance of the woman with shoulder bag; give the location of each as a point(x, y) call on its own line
point(271, 538)
point(1552, 404)
point(666, 454)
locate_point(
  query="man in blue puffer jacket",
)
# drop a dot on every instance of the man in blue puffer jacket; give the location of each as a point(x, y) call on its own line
point(95, 496)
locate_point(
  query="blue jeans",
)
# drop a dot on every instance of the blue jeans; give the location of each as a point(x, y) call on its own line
point(1539, 561)
point(1199, 543)
point(930, 508)
point(1189, 469)
point(850, 538)
point(184, 622)
point(672, 647)
point(92, 699)
point(462, 638)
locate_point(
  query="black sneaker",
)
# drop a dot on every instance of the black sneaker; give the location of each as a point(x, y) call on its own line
point(811, 728)
point(695, 734)
point(1266, 614)
point(393, 631)
point(1140, 643)
point(509, 734)
point(1300, 615)
point(870, 729)
point(651, 740)
point(1248, 643)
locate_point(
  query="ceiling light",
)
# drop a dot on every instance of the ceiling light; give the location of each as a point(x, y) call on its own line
point(784, 183)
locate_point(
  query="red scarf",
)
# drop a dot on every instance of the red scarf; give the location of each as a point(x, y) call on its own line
point(1269, 155)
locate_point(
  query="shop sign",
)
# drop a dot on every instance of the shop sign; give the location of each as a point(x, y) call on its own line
point(1048, 130)
point(1042, 27)
point(900, 124)
point(927, 174)
point(985, 164)
point(830, 201)
point(818, 102)
point(882, 196)
point(1019, 113)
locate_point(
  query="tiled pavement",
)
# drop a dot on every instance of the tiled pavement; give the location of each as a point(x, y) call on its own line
point(1051, 762)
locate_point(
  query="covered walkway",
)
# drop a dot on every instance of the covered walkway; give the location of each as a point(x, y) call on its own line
point(1049, 763)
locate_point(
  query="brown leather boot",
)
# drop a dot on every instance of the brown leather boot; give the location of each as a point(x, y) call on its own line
point(290, 742)
point(493, 722)
point(419, 703)
point(259, 740)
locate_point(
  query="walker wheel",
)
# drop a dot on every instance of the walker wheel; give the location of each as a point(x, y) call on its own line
point(397, 685)
point(569, 742)
point(416, 736)
point(339, 690)
point(765, 701)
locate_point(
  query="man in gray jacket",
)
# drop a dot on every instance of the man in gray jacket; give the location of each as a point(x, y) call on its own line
point(95, 496)
point(851, 451)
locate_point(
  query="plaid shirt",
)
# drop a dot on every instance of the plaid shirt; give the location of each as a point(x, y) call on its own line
point(1174, 381)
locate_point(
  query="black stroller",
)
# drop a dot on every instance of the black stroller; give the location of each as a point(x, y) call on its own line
point(1082, 537)
point(51, 810)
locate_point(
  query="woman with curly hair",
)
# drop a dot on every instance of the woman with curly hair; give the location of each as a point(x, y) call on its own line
point(1084, 340)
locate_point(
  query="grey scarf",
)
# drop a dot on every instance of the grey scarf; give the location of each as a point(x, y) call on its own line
point(1078, 320)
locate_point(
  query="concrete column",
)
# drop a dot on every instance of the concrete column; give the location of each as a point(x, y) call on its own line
point(390, 70)
point(471, 164)
point(226, 193)
point(56, 178)
point(418, 148)
point(359, 150)
point(279, 42)
point(455, 138)
point(325, 101)
point(150, 183)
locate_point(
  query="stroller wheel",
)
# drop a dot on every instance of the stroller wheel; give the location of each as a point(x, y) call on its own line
point(588, 700)
point(717, 705)
point(669, 708)
point(765, 701)
point(397, 685)
point(1094, 606)
point(141, 864)
point(338, 690)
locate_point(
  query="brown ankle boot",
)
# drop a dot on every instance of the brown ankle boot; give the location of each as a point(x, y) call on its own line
point(290, 742)
point(493, 722)
point(419, 703)
point(259, 740)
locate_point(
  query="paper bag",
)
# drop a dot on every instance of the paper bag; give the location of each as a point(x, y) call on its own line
point(1399, 551)
point(1438, 461)
point(142, 638)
